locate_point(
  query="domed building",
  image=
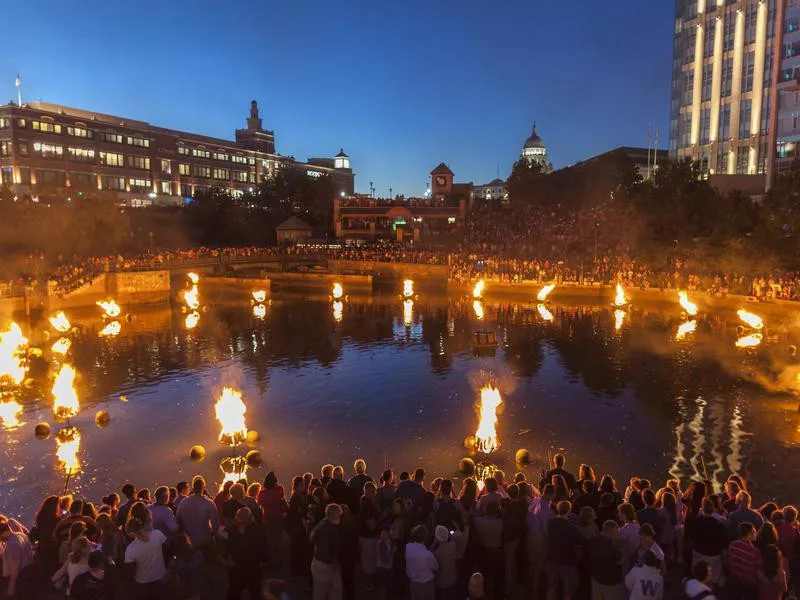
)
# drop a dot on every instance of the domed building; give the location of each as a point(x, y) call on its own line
point(534, 150)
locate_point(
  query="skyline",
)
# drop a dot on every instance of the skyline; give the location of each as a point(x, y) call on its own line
point(463, 89)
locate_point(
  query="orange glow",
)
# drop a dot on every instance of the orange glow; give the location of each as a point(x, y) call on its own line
point(544, 313)
point(60, 323)
point(112, 329)
point(486, 435)
point(477, 291)
point(192, 319)
point(13, 363)
point(544, 292)
point(749, 341)
point(338, 291)
point(750, 319)
point(686, 328)
point(230, 411)
point(689, 306)
point(259, 296)
point(61, 346)
point(9, 414)
point(408, 288)
point(619, 298)
point(65, 398)
point(110, 308)
point(477, 307)
point(619, 319)
point(68, 442)
point(338, 311)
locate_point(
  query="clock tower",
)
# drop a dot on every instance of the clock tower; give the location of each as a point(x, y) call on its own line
point(441, 181)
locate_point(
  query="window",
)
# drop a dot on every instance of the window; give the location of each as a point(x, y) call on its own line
point(744, 119)
point(25, 175)
point(166, 187)
point(186, 190)
point(183, 150)
point(705, 125)
point(108, 136)
point(742, 160)
point(220, 156)
point(5, 122)
point(139, 185)
point(748, 67)
point(707, 79)
point(221, 174)
point(22, 123)
point(184, 169)
point(165, 167)
point(81, 155)
point(139, 162)
point(112, 159)
point(137, 141)
point(81, 180)
point(240, 176)
point(112, 183)
point(251, 161)
point(238, 159)
point(46, 127)
point(80, 132)
point(45, 177)
point(200, 171)
point(5, 148)
point(48, 150)
point(22, 148)
point(724, 123)
point(199, 153)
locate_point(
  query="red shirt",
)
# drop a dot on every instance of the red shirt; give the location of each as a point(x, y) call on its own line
point(744, 562)
point(272, 502)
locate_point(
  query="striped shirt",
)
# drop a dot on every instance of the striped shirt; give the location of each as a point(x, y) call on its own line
point(744, 562)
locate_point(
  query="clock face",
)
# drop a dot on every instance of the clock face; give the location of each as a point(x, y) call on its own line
point(440, 180)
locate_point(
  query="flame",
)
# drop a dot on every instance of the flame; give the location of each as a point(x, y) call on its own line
point(112, 329)
point(12, 354)
point(193, 277)
point(65, 399)
point(486, 436)
point(477, 291)
point(408, 288)
point(110, 307)
point(477, 306)
point(230, 413)
point(192, 319)
point(9, 414)
point(61, 346)
point(749, 341)
point(68, 442)
point(685, 328)
point(689, 306)
point(338, 311)
point(544, 313)
point(544, 292)
point(752, 320)
point(259, 311)
point(259, 296)
point(619, 319)
point(337, 291)
point(408, 312)
point(192, 298)
point(620, 299)
point(60, 323)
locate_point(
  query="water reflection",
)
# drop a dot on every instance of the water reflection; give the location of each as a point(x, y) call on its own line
point(390, 370)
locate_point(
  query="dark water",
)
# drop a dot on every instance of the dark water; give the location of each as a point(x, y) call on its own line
point(634, 401)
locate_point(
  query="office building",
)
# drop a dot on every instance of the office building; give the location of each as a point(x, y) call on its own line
point(48, 151)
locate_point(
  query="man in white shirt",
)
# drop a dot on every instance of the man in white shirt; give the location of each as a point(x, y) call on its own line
point(146, 554)
point(421, 566)
point(698, 588)
point(645, 582)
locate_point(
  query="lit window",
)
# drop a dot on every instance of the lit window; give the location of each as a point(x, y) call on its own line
point(165, 167)
point(221, 174)
point(5, 122)
point(22, 123)
point(107, 136)
point(166, 187)
point(138, 184)
point(5, 148)
point(137, 141)
point(240, 176)
point(46, 127)
point(220, 156)
point(112, 159)
point(201, 171)
point(139, 162)
point(183, 150)
point(184, 169)
point(80, 132)
point(81, 154)
point(112, 183)
point(199, 153)
point(48, 150)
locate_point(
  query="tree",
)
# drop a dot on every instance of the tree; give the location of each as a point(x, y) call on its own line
point(524, 181)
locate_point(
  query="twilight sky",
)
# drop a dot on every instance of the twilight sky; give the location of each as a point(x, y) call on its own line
point(401, 85)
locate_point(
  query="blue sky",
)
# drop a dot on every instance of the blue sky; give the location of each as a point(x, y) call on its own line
point(401, 86)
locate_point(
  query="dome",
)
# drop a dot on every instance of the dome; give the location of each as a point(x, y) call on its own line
point(534, 141)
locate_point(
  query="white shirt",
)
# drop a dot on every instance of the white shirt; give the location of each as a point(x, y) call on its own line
point(645, 583)
point(693, 588)
point(421, 564)
point(148, 557)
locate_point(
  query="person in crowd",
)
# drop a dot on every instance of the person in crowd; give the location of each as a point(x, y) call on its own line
point(628, 539)
point(587, 523)
point(17, 561)
point(447, 512)
point(384, 562)
point(386, 491)
point(183, 489)
point(325, 567)
point(585, 473)
point(163, 518)
point(709, 537)
point(77, 562)
point(475, 587)
point(564, 544)
point(773, 582)
point(355, 486)
point(607, 509)
point(489, 530)
point(198, 516)
point(421, 566)
point(223, 495)
point(444, 549)
point(559, 464)
point(744, 562)
point(413, 490)
point(743, 514)
point(348, 555)
point(561, 488)
point(587, 496)
point(605, 562)
point(671, 530)
point(514, 510)
point(645, 582)
point(129, 496)
point(272, 502)
point(185, 570)
point(699, 586)
point(43, 532)
point(539, 514)
point(337, 489)
point(93, 584)
point(238, 499)
point(491, 494)
point(246, 550)
point(296, 525)
point(145, 554)
point(647, 543)
point(650, 514)
point(369, 516)
point(326, 474)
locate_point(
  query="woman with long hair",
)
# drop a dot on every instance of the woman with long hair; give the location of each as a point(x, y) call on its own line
point(671, 530)
point(767, 536)
point(585, 473)
point(47, 518)
point(609, 486)
point(772, 580)
point(77, 562)
point(272, 501)
point(562, 491)
point(628, 535)
point(110, 538)
point(296, 525)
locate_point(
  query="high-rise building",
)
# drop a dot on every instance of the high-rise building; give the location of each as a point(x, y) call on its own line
point(52, 151)
point(724, 92)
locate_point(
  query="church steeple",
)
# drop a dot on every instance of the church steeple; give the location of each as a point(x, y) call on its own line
point(254, 122)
